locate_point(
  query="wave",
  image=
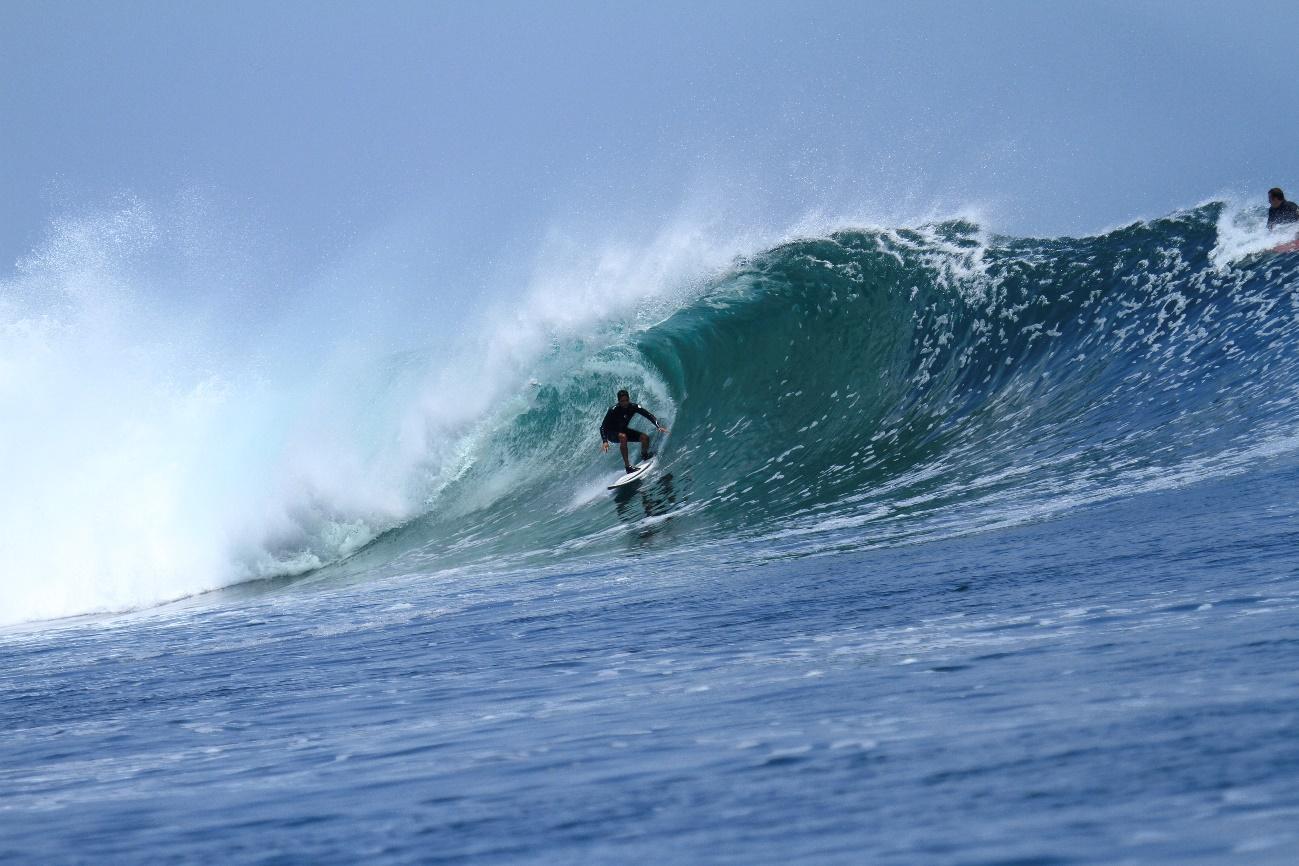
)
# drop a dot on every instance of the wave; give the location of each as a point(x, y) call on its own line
point(869, 388)
point(855, 389)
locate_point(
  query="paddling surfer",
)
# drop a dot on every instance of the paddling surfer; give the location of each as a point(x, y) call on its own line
point(614, 428)
point(1280, 211)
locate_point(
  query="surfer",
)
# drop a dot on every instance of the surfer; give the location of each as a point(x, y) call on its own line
point(614, 428)
point(1280, 211)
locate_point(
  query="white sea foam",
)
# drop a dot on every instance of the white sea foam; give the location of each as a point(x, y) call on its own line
point(1242, 232)
point(146, 460)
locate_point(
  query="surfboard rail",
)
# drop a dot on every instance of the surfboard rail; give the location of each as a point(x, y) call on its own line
point(1287, 247)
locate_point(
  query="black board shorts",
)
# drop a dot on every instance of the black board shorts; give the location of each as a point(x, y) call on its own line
point(632, 435)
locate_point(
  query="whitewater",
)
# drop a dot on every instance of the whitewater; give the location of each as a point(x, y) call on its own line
point(962, 549)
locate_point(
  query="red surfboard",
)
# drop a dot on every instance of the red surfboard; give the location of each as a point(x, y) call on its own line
point(1290, 247)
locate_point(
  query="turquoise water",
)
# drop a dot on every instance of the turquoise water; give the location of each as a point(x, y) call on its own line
point(962, 550)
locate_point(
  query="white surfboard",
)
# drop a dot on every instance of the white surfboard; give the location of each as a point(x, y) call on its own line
point(634, 475)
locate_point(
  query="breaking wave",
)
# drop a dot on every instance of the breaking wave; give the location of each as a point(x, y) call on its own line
point(855, 389)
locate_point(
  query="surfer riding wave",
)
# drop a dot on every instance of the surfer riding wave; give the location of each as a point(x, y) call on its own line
point(615, 428)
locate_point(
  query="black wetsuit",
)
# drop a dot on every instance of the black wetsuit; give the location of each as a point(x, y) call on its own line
point(616, 421)
point(1285, 212)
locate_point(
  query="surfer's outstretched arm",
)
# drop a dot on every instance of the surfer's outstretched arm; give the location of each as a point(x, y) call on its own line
point(650, 415)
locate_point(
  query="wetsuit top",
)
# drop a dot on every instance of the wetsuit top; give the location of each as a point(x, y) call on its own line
point(1285, 212)
point(617, 418)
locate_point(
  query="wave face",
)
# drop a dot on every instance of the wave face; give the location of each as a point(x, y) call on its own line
point(859, 389)
point(880, 387)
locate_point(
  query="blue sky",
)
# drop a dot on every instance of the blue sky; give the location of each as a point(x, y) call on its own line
point(481, 123)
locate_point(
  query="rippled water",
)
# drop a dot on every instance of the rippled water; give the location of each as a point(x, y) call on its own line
point(1114, 686)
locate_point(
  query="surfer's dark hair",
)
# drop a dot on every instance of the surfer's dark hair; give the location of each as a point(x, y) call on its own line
point(623, 393)
point(1275, 192)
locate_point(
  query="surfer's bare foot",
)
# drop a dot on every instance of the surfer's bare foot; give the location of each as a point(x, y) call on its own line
point(631, 468)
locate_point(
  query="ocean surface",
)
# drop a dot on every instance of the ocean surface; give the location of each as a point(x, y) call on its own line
point(962, 549)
